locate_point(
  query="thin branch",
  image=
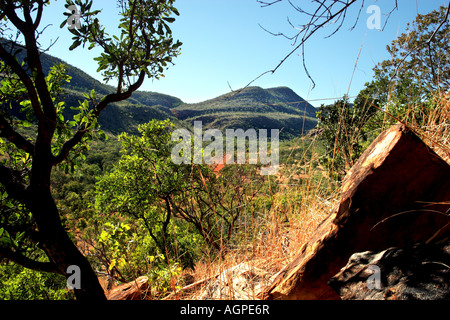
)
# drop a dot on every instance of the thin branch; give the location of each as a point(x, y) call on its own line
point(311, 28)
point(266, 4)
point(389, 15)
point(306, 69)
point(28, 28)
point(8, 132)
point(359, 14)
point(441, 24)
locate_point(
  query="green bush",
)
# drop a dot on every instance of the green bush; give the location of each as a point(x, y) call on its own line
point(19, 283)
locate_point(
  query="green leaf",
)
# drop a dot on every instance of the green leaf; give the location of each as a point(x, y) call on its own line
point(103, 236)
point(112, 265)
point(76, 44)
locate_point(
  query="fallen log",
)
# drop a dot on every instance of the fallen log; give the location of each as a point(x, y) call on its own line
point(134, 290)
point(396, 195)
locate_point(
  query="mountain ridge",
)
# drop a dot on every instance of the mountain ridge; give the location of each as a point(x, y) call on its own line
point(250, 107)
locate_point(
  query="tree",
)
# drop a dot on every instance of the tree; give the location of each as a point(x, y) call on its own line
point(144, 181)
point(420, 61)
point(402, 90)
point(30, 219)
point(323, 14)
point(409, 85)
point(147, 186)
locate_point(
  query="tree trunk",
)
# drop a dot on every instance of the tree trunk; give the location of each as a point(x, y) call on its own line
point(59, 247)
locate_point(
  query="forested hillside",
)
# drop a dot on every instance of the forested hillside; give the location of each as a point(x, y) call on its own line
point(252, 107)
point(118, 117)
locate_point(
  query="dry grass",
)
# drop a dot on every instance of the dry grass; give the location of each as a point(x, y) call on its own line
point(434, 128)
point(271, 238)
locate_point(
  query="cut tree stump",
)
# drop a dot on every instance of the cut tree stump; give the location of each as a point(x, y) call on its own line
point(396, 195)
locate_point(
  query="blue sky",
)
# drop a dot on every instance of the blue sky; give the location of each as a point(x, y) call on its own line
point(224, 45)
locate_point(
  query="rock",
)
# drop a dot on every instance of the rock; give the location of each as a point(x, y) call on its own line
point(138, 289)
point(418, 273)
point(396, 195)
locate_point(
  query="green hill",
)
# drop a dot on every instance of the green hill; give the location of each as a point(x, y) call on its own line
point(253, 107)
point(123, 116)
point(117, 117)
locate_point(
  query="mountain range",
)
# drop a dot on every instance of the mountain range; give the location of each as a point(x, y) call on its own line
point(250, 107)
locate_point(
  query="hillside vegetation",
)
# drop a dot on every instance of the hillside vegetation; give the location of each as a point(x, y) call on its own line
point(119, 117)
point(252, 107)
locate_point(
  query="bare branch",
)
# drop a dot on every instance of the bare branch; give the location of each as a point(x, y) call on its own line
point(304, 66)
point(266, 4)
point(324, 12)
point(389, 14)
point(441, 24)
point(359, 14)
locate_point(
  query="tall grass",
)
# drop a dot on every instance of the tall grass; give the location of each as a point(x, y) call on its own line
point(431, 122)
point(277, 223)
